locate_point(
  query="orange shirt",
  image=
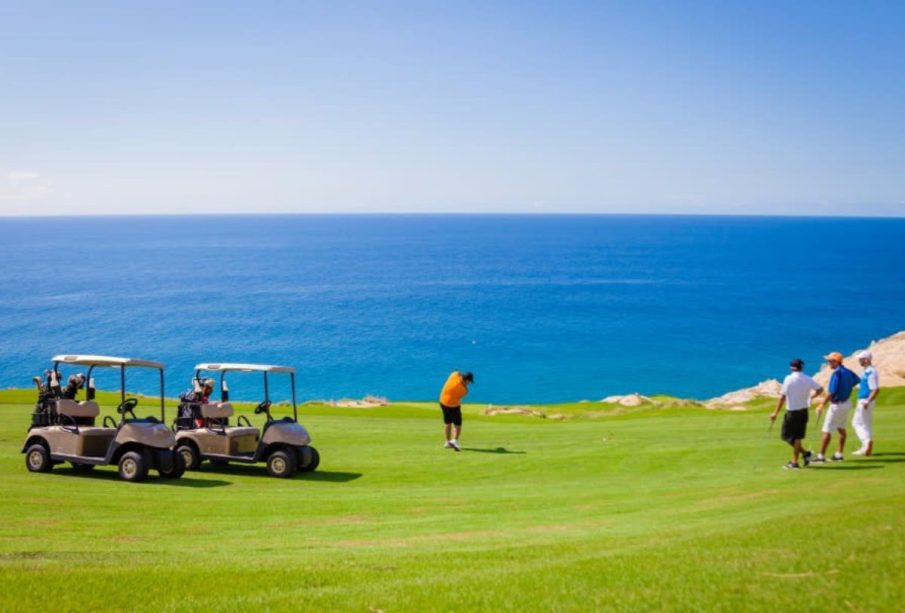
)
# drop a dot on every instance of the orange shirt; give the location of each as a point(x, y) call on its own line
point(453, 390)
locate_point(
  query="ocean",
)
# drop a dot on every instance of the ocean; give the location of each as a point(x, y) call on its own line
point(540, 308)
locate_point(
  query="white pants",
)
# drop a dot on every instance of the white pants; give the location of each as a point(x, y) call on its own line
point(863, 421)
point(836, 416)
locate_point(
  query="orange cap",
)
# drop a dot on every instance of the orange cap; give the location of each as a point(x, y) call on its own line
point(833, 356)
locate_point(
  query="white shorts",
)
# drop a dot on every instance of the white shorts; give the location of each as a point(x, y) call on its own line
point(836, 416)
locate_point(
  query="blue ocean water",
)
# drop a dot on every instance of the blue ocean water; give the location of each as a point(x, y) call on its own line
point(541, 308)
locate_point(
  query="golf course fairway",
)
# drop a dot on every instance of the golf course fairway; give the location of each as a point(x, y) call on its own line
point(647, 508)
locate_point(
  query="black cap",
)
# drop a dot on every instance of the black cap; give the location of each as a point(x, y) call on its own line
point(797, 364)
point(467, 376)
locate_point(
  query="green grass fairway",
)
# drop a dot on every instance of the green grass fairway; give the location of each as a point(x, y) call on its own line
point(655, 508)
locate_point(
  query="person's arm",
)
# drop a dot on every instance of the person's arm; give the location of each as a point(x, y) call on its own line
point(832, 387)
point(779, 403)
point(822, 404)
point(874, 384)
point(816, 393)
point(816, 390)
point(830, 390)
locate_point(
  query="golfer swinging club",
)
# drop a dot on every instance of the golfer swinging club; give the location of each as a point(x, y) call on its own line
point(455, 388)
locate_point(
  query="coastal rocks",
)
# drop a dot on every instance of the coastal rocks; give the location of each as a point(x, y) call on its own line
point(501, 410)
point(522, 410)
point(888, 360)
point(629, 400)
point(368, 402)
point(771, 388)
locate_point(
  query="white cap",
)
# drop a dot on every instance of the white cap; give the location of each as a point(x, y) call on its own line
point(864, 355)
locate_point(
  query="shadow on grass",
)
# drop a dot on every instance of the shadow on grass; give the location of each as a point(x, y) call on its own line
point(858, 466)
point(333, 476)
point(494, 450)
point(260, 470)
point(153, 478)
point(887, 454)
point(871, 460)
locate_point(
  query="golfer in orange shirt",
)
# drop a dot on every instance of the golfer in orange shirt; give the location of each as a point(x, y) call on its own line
point(455, 388)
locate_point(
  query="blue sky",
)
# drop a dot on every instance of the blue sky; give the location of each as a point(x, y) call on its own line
point(676, 107)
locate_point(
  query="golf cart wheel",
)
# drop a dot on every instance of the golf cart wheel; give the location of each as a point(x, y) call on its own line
point(190, 458)
point(82, 468)
point(37, 459)
point(313, 463)
point(281, 464)
point(133, 466)
point(178, 467)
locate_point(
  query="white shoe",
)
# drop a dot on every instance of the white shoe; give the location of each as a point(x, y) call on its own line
point(861, 451)
point(455, 445)
point(447, 445)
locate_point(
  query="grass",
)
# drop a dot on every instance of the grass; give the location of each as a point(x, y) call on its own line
point(650, 508)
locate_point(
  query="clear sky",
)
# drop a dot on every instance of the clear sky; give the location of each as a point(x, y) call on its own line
point(788, 107)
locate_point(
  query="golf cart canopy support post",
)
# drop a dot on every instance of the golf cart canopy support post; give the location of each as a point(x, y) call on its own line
point(223, 367)
point(93, 361)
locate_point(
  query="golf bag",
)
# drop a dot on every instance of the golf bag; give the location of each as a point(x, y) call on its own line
point(189, 412)
point(49, 391)
point(75, 383)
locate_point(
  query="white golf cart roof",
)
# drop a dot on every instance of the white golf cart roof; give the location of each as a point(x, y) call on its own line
point(105, 360)
point(244, 367)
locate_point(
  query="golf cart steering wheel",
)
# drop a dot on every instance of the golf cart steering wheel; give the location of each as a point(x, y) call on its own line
point(128, 406)
point(263, 407)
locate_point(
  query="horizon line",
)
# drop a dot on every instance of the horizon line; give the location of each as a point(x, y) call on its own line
point(449, 214)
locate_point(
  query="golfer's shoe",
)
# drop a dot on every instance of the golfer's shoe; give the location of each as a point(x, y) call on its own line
point(447, 445)
point(820, 459)
point(455, 445)
point(837, 457)
point(807, 457)
point(791, 466)
point(859, 452)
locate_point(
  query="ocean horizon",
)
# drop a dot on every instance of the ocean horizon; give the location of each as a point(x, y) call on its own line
point(542, 308)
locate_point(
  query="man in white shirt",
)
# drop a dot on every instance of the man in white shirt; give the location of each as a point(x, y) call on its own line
point(868, 389)
point(797, 389)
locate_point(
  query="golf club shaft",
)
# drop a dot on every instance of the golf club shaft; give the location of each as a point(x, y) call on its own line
point(763, 446)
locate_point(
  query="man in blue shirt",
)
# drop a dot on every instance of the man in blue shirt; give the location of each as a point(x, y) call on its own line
point(868, 389)
point(838, 395)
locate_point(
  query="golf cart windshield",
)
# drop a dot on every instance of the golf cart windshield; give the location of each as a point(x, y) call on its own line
point(267, 369)
point(103, 361)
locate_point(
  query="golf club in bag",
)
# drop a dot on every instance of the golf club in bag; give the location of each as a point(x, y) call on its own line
point(763, 447)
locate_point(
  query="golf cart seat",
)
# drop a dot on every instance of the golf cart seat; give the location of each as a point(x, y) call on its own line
point(81, 413)
point(217, 410)
point(238, 431)
point(71, 408)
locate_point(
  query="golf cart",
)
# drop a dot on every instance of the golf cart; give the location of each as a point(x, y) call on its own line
point(63, 429)
point(204, 432)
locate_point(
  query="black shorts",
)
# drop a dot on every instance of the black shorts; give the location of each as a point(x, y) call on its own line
point(794, 425)
point(452, 415)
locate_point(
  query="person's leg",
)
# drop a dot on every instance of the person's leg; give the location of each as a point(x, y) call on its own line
point(796, 450)
point(447, 428)
point(842, 436)
point(868, 419)
point(456, 415)
point(858, 426)
point(825, 442)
